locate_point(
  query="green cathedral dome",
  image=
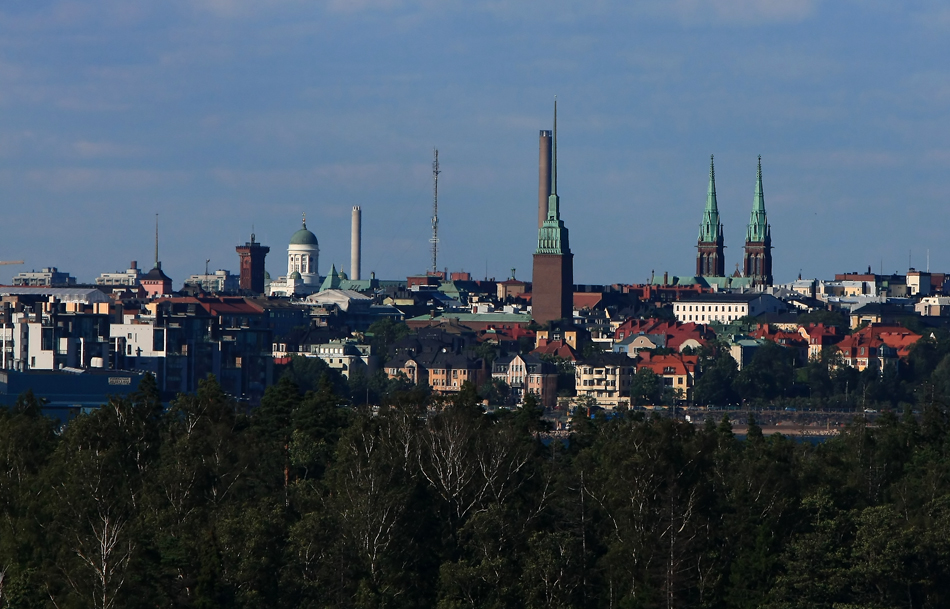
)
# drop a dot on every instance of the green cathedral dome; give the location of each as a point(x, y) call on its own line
point(303, 237)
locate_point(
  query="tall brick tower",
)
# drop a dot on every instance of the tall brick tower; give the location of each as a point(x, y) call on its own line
point(553, 277)
point(757, 257)
point(252, 265)
point(710, 259)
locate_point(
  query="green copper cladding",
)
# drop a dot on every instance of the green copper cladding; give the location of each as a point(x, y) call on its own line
point(552, 236)
point(759, 229)
point(711, 229)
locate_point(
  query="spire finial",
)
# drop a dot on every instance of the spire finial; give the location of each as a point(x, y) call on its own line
point(157, 263)
point(759, 173)
point(305, 219)
point(554, 152)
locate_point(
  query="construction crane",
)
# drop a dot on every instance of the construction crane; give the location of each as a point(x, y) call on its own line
point(11, 262)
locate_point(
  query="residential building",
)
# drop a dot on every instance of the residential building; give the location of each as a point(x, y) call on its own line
point(726, 308)
point(876, 346)
point(49, 276)
point(219, 282)
point(677, 371)
point(131, 277)
point(819, 337)
point(933, 306)
point(528, 373)
point(606, 378)
point(449, 371)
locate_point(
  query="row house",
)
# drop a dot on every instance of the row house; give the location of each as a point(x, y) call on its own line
point(528, 373)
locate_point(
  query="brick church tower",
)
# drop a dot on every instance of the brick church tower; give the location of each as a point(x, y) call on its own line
point(757, 257)
point(710, 259)
point(553, 277)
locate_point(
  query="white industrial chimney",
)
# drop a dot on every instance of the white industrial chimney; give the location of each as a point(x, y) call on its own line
point(355, 243)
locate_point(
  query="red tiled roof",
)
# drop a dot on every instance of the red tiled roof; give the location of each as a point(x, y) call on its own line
point(676, 332)
point(659, 364)
point(558, 348)
point(587, 300)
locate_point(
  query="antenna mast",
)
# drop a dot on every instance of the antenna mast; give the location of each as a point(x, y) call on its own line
point(435, 212)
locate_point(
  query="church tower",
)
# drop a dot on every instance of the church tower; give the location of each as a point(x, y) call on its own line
point(553, 277)
point(710, 261)
point(757, 259)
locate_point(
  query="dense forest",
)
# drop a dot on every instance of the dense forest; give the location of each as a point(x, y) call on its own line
point(307, 501)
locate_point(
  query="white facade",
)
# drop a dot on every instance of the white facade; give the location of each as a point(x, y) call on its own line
point(219, 281)
point(303, 259)
point(138, 339)
point(50, 276)
point(725, 309)
point(130, 277)
point(933, 306)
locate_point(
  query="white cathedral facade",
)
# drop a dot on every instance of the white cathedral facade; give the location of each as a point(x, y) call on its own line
point(303, 258)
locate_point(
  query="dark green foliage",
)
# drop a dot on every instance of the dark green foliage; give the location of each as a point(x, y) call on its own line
point(719, 371)
point(383, 334)
point(430, 502)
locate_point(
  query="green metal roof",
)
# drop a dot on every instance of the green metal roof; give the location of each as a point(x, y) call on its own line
point(710, 231)
point(303, 237)
point(759, 230)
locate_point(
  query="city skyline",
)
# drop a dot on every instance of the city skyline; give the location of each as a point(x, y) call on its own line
point(223, 115)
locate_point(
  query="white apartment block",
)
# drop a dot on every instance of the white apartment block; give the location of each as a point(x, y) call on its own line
point(725, 308)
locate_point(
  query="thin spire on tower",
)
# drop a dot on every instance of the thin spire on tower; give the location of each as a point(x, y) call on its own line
point(554, 152)
point(157, 263)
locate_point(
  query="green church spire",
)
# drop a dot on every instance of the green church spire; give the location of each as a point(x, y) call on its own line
point(758, 223)
point(552, 236)
point(711, 228)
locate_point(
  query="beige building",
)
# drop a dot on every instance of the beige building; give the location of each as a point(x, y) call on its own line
point(606, 378)
point(933, 306)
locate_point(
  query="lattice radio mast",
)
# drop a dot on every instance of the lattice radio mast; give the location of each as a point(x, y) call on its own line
point(435, 212)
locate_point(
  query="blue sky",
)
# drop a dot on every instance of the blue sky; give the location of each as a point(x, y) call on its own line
point(223, 114)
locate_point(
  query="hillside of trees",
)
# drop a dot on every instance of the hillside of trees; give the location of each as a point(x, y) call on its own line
point(308, 501)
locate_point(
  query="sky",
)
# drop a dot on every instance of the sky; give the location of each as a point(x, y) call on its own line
point(225, 115)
